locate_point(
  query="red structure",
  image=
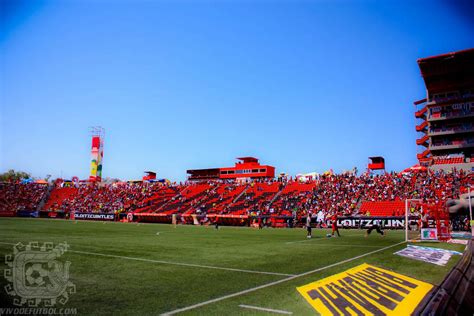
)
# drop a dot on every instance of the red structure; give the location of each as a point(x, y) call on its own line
point(150, 175)
point(447, 111)
point(376, 163)
point(246, 168)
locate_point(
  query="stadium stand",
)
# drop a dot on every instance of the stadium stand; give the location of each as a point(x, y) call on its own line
point(57, 196)
point(349, 194)
point(383, 208)
point(16, 197)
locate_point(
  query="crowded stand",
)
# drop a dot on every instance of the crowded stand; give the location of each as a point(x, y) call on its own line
point(347, 194)
point(16, 197)
point(97, 198)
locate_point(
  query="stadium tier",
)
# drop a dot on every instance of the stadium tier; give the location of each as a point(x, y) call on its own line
point(383, 208)
point(16, 197)
point(447, 111)
point(348, 194)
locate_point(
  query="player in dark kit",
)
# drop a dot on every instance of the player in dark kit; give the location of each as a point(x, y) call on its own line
point(334, 225)
point(308, 226)
point(378, 226)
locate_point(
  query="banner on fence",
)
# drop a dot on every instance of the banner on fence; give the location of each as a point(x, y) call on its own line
point(429, 234)
point(396, 222)
point(94, 216)
point(436, 256)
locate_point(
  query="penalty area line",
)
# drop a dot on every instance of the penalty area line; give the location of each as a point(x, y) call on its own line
point(263, 286)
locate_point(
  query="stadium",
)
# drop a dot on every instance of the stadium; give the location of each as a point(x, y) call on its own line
point(251, 240)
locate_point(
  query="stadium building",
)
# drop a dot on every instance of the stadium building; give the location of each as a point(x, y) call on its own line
point(247, 168)
point(447, 111)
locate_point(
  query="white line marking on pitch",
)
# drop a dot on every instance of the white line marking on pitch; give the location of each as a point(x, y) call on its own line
point(180, 263)
point(276, 282)
point(319, 239)
point(172, 263)
point(266, 309)
point(347, 245)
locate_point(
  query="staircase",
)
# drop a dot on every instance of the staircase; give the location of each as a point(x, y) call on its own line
point(421, 113)
point(423, 154)
point(45, 198)
point(422, 126)
point(423, 140)
point(276, 196)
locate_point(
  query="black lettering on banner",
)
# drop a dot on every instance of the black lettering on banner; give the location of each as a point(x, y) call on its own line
point(397, 223)
point(340, 301)
point(350, 292)
point(392, 277)
point(378, 287)
point(390, 284)
point(314, 294)
point(364, 223)
point(373, 292)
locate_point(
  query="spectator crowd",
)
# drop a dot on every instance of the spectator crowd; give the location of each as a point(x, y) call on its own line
point(329, 193)
point(16, 197)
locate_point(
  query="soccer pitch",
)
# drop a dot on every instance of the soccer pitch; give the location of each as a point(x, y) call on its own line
point(151, 269)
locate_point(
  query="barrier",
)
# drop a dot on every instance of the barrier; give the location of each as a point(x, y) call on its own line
point(27, 213)
point(454, 295)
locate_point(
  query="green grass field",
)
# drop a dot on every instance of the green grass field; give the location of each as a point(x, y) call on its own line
point(127, 268)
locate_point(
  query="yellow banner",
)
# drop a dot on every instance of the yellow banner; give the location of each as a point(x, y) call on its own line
point(365, 290)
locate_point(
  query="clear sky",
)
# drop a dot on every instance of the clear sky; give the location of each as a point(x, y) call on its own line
point(302, 85)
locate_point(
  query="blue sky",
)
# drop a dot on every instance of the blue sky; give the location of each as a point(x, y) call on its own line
point(303, 85)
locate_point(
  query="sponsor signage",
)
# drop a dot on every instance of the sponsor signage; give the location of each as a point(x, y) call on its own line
point(462, 235)
point(96, 216)
point(395, 222)
point(457, 241)
point(429, 234)
point(365, 290)
point(7, 214)
point(27, 213)
point(436, 256)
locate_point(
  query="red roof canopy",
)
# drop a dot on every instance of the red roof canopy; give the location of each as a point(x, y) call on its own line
point(451, 71)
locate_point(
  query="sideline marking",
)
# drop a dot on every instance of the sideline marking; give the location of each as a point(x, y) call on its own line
point(172, 263)
point(266, 309)
point(276, 282)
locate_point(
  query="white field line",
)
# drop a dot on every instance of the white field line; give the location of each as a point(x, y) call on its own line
point(179, 263)
point(171, 262)
point(176, 311)
point(320, 239)
point(277, 311)
point(344, 245)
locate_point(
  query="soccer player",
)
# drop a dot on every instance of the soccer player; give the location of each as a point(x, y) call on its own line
point(320, 219)
point(334, 225)
point(378, 226)
point(308, 226)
